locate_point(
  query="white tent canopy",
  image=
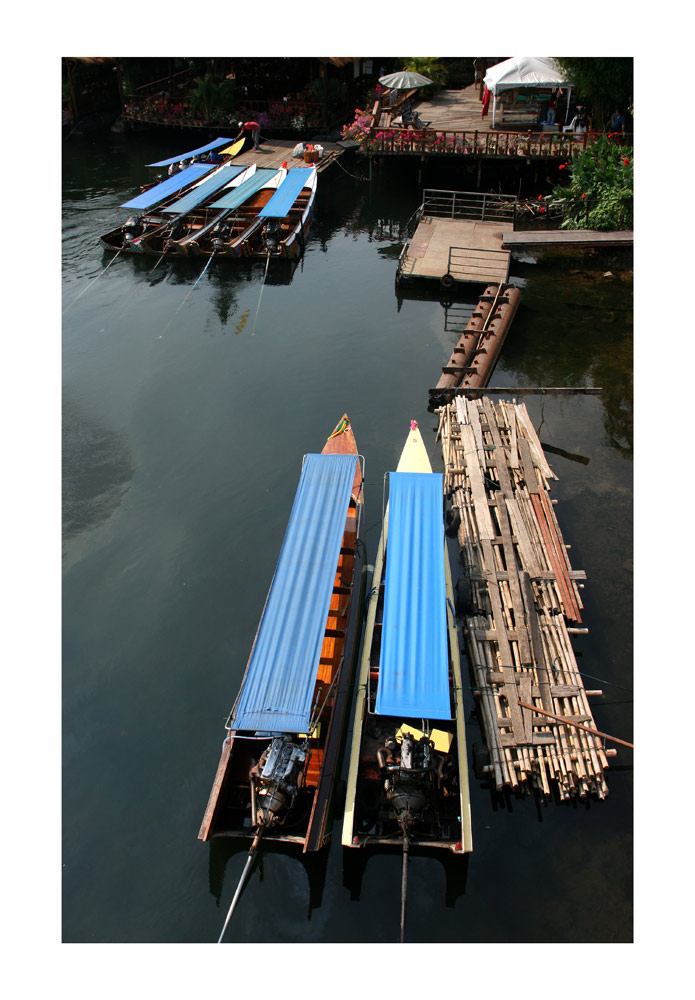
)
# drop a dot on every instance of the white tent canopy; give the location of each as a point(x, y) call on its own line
point(520, 72)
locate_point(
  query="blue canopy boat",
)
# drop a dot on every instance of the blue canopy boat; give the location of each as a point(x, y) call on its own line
point(169, 203)
point(283, 224)
point(408, 774)
point(279, 757)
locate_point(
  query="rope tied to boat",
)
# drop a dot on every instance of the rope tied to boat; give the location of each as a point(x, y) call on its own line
point(265, 273)
point(92, 282)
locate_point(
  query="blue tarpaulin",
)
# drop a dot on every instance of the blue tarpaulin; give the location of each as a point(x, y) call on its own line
point(286, 195)
point(206, 190)
point(414, 663)
point(238, 195)
point(170, 186)
point(215, 144)
point(278, 687)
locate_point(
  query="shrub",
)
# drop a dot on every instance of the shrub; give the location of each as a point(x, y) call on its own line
point(599, 194)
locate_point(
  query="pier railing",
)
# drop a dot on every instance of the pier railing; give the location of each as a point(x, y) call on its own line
point(475, 143)
point(468, 205)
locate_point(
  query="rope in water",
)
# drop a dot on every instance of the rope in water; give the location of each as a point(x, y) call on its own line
point(91, 283)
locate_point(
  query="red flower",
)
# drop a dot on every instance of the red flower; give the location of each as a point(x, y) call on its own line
point(584, 195)
point(626, 161)
point(540, 197)
point(561, 167)
point(542, 209)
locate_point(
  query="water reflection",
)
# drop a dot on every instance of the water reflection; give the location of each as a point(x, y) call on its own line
point(97, 468)
point(223, 849)
point(455, 869)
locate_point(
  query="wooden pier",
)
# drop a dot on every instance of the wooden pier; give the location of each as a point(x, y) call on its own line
point(523, 604)
point(567, 238)
point(275, 153)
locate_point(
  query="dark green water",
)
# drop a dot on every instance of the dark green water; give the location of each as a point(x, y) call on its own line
point(185, 417)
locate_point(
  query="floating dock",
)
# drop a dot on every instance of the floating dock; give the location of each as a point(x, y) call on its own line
point(455, 250)
point(474, 357)
point(521, 605)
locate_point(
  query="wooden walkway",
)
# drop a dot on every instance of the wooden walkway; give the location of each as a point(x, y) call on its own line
point(477, 255)
point(461, 111)
point(275, 153)
point(524, 604)
point(567, 237)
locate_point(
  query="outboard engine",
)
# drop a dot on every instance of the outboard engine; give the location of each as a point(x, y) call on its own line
point(271, 234)
point(220, 235)
point(132, 228)
point(409, 776)
point(277, 778)
point(178, 231)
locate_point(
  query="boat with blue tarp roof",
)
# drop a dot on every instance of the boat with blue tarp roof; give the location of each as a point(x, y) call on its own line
point(279, 758)
point(408, 774)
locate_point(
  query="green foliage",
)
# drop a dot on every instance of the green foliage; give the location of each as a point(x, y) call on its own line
point(600, 191)
point(605, 82)
point(212, 98)
point(429, 67)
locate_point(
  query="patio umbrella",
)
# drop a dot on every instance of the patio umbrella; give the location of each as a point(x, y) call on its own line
point(404, 80)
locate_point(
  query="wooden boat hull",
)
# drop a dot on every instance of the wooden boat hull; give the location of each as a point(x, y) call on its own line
point(228, 813)
point(295, 228)
point(368, 820)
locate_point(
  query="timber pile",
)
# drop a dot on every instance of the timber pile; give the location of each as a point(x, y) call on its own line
point(524, 603)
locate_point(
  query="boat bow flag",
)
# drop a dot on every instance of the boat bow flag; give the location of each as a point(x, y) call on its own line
point(278, 688)
point(414, 662)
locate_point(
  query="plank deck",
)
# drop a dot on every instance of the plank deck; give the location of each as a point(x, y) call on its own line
point(275, 153)
point(483, 262)
point(566, 237)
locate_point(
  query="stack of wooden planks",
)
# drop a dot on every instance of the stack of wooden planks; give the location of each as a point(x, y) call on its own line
point(524, 603)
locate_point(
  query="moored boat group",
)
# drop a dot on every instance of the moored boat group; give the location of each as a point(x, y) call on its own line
point(408, 773)
point(210, 206)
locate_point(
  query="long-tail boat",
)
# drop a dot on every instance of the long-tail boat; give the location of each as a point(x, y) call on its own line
point(279, 761)
point(408, 775)
point(230, 219)
point(170, 205)
point(283, 224)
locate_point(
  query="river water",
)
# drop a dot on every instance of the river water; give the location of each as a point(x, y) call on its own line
point(186, 413)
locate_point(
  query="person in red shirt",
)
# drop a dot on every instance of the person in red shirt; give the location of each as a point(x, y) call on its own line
point(252, 130)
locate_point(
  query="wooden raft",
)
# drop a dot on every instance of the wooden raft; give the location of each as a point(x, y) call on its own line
point(524, 603)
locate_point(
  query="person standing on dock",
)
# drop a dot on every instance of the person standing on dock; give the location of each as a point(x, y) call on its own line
point(252, 130)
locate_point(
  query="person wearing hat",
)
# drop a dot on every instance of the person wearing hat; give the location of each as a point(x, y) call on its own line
point(250, 129)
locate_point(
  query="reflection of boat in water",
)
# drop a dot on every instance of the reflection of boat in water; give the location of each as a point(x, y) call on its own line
point(278, 766)
point(408, 773)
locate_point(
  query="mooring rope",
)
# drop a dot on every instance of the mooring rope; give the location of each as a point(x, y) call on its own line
point(267, 264)
point(194, 287)
point(91, 283)
point(354, 176)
